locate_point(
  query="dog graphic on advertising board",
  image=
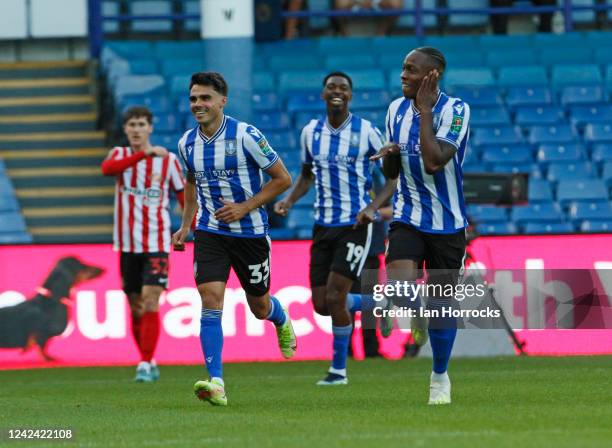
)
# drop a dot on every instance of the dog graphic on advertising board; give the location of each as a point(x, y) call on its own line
point(33, 322)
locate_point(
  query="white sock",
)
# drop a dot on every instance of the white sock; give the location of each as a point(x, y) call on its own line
point(337, 371)
point(440, 377)
point(144, 365)
point(218, 380)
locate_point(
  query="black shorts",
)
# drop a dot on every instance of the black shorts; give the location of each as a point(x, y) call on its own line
point(338, 249)
point(439, 251)
point(215, 254)
point(138, 270)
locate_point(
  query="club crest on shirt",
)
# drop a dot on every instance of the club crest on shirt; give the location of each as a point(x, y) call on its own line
point(355, 138)
point(231, 146)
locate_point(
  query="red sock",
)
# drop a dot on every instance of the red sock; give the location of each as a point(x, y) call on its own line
point(149, 334)
point(136, 324)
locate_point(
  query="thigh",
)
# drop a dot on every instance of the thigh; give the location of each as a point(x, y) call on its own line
point(405, 243)
point(445, 257)
point(211, 261)
point(131, 266)
point(351, 247)
point(155, 269)
point(250, 258)
point(321, 256)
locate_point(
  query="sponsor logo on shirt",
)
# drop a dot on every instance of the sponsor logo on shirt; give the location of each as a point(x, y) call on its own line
point(213, 174)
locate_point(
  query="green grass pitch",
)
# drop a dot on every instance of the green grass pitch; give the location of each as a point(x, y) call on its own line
point(497, 402)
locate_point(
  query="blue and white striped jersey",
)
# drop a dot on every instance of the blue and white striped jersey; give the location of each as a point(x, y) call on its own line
point(341, 166)
point(228, 165)
point(431, 203)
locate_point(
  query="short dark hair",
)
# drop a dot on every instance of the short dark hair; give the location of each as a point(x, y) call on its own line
point(341, 74)
point(435, 55)
point(137, 112)
point(212, 79)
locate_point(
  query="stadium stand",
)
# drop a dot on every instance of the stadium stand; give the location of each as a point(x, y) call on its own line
point(545, 112)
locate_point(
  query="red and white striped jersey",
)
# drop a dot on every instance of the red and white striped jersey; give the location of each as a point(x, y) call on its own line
point(142, 220)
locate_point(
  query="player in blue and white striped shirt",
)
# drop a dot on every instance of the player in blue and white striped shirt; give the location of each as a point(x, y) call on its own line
point(224, 159)
point(427, 132)
point(335, 156)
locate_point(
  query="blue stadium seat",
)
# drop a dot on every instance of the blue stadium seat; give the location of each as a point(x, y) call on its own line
point(602, 55)
point(179, 85)
point(468, 77)
point(500, 228)
point(167, 140)
point(390, 61)
point(596, 226)
point(169, 49)
point(582, 17)
point(158, 104)
point(301, 119)
point(606, 173)
point(12, 222)
point(602, 152)
point(535, 228)
point(511, 58)
point(593, 211)
point(370, 99)
point(367, 79)
point(598, 38)
point(489, 116)
point(561, 133)
point(428, 20)
point(279, 234)
point(582, 95)
point(608, 80)
point(290, 62)
point(266, 101)
point(8, 202)
point(507, 154)
point(143, 66)
point(539, 190)
point(528, 96)
point(300, 218)
point(581, 190)
point(138, 84)
point(349, 61)
point(165, 123)
point(479, 96)
point(464, 20)
point(561, 55)
point(184, 66)
point(598, 132)
point(300, 81)
point(192, 7)
point(15, 238)
point(570, 171)
point(398, 46)
point(530, 168)
point(543, 212)
point(503, 44)
point(305, 102)
point(264, 82)
point(474, 167)
point(580, 115)
point(566, 40)
point(487, 213)
point(538, 115)
point(560, 153)
point(497, 136)
point(110, 8)
point(272, 121)
point(527, 75)
point(281, 139)
point(376, 117)
point(459, 59)
point(575, 75)
point(329, 45)
point(150, 8)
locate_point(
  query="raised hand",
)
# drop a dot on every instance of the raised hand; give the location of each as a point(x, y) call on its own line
point(427, 94)
point(282, 207)
point(389, 148)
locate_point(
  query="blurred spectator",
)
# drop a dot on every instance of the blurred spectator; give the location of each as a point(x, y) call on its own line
point(291, 25)
point(385, 23)
point(499, 22)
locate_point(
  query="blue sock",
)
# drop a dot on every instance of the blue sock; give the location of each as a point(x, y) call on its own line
point(442, 332)
point(342, 336)
point(211, 337)
point(277, 314)
point(353, 302)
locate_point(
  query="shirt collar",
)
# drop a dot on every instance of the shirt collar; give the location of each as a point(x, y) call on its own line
point(341, 127)
point(415, 111)
point(215, 135)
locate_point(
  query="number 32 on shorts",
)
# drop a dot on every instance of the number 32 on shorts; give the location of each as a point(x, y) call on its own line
point(355, 252)
point(260, 272)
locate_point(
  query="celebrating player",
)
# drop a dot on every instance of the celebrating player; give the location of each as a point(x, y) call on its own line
point(225, 159)
point(335, 154)
point(428, 133)
point(144, 174)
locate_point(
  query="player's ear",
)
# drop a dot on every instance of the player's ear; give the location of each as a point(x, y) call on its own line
point(224, 101)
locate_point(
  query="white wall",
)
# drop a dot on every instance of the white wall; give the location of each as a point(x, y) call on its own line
point(13, 19)
point(227, 18)
point(58, 18)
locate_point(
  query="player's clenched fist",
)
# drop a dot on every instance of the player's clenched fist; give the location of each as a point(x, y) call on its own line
point(282, 207)
point(178, 239)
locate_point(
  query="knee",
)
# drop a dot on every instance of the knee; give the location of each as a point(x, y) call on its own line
point(334, 297)
point(321, 308)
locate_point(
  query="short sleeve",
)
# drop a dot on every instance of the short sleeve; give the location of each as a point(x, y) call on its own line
point(181, 151)
point(375, 141)
point(389, 134)
point(257, 146)
point(454, 124)
point(176, 175)
point(305, 155)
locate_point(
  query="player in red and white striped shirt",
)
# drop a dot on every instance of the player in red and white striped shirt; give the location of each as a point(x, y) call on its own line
point(145, 174)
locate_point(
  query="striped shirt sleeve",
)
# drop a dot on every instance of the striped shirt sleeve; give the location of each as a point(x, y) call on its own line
point(256, 144)
point(454, 123)
point(305, 155)
point(176, 175)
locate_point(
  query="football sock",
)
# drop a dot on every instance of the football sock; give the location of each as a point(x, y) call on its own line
point(442, 333)
point(342, 337)
point(136, 332)
point(277, 314)
point(211, 337)
point(149, 334)
point(353, 302)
